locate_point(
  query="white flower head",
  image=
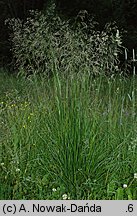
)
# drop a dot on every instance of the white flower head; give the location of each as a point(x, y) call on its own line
point(135, 175)
point(54, 189)
point(17, 170)
point(64, 196)
point(124, 185)
point(118, 39)
point(117, 34)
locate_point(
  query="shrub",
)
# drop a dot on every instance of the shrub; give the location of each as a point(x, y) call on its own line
point(46, 43)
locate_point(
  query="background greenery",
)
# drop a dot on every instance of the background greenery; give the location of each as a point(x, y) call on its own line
point(68, 138)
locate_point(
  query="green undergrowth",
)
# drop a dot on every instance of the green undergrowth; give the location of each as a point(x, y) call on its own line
point(68, 137)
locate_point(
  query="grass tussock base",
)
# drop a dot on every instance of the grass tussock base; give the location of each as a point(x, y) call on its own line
point(68, 138)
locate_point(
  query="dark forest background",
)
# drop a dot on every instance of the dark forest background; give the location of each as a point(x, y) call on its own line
point(123, 12)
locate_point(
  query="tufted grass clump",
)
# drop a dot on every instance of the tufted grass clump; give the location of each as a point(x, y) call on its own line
point(68, 138)
point(45, 43)
point(72, 136)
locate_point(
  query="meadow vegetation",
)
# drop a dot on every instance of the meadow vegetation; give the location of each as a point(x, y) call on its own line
point(68, 130)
